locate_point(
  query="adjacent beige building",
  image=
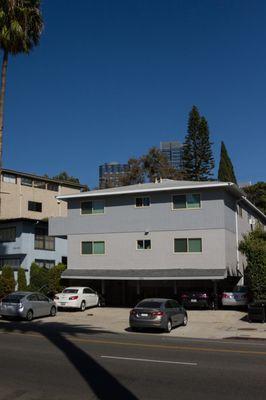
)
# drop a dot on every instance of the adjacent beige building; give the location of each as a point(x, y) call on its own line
point(31, 196)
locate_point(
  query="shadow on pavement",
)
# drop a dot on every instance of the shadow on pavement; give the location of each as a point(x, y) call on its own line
point(98, 379)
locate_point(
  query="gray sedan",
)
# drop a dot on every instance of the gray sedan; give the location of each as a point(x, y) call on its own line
point(27, 305)
point(157, 313)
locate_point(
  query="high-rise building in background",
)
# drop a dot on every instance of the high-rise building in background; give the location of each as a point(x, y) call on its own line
point(110, 174)
point(174, 153)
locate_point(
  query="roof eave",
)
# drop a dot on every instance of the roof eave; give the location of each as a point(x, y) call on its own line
point(144, 190)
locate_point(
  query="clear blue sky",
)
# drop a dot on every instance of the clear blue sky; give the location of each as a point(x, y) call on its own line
point(113, 78)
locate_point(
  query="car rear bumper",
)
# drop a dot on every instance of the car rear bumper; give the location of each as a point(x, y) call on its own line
point(12, 313)
point(234, 303)
point(68, 304)
point(137, 323)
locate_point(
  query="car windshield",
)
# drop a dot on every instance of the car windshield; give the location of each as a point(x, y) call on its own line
point(13, 298)
point(149, 304)
point(70, 291)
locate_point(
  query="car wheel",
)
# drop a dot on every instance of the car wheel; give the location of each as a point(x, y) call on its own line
point(185, 320)
point(29, 316)
point(168, 326)
point(53, 312)
point(83, 306)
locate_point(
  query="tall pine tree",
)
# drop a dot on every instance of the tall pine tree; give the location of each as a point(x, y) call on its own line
point(226, 170)
point(198, 160)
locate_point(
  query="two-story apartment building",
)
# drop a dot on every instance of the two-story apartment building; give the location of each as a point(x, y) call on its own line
point(27, 200)
point(155, 239)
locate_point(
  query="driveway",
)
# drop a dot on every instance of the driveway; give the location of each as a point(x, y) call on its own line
point(203, 324)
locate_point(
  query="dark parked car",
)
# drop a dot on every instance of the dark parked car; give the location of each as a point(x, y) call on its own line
point(197, 299)
point(27, 305)
point(157, 313)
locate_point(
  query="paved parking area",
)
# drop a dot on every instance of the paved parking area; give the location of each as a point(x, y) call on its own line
point(205, 324)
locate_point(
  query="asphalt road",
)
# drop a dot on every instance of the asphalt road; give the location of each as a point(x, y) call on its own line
point(52, 361)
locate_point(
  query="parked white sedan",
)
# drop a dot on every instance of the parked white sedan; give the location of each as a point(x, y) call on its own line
point(238, 297)
point(77, 297)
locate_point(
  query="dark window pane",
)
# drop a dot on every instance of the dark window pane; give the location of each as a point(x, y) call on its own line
point(86, 207)
point(32, 297)
point(86, 247)
point(53, 186)
point(140, 244)
point(8, 234)
point(180, 245)
point(147, 244)
point(179, 201)
point(149, 304)
point(34, 206)
point(39, 184)
point(26, 181)
point(13, 298)
point(146, 201)
point(139, 202)
point(71, 291)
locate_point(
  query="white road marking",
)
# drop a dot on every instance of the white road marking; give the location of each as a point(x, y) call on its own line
point(148, 360)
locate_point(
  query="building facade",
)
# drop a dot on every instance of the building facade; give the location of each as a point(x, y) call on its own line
point(31, 196)
point(155, 239)
point(174, 153)
point(27, 201)
point(110, 174)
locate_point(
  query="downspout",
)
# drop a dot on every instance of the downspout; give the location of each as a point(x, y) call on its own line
point(237, 241)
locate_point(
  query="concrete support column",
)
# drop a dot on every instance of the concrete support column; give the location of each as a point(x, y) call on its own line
point(138, 288)
point(103, 287)
point(215, 295)
point(175, 288)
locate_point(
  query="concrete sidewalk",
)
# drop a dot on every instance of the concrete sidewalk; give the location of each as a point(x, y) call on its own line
point(203, 324)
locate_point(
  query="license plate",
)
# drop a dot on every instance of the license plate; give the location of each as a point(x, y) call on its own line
point(194, 300)
point(144, 314)
point(62, 304)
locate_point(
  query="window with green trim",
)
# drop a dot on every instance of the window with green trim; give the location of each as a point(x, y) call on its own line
point(97, 247)
point(92, 207)
point(189, 200)
point(191, 245)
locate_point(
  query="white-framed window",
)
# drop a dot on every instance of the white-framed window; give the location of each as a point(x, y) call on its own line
point(188, 245)
point(184, 201)
point(93, 247)
point(92, 207)
point(142, 201)
point(144, 244)
point(9, 178)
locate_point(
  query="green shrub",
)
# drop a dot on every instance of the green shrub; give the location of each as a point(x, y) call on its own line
point(22, 282)
point(253, 246)
point(8, 280)
point(38, 278)
point(54, 279)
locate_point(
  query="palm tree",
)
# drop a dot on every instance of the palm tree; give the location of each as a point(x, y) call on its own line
point(21, 25)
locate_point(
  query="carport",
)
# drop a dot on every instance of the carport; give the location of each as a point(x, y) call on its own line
point(126, 287)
